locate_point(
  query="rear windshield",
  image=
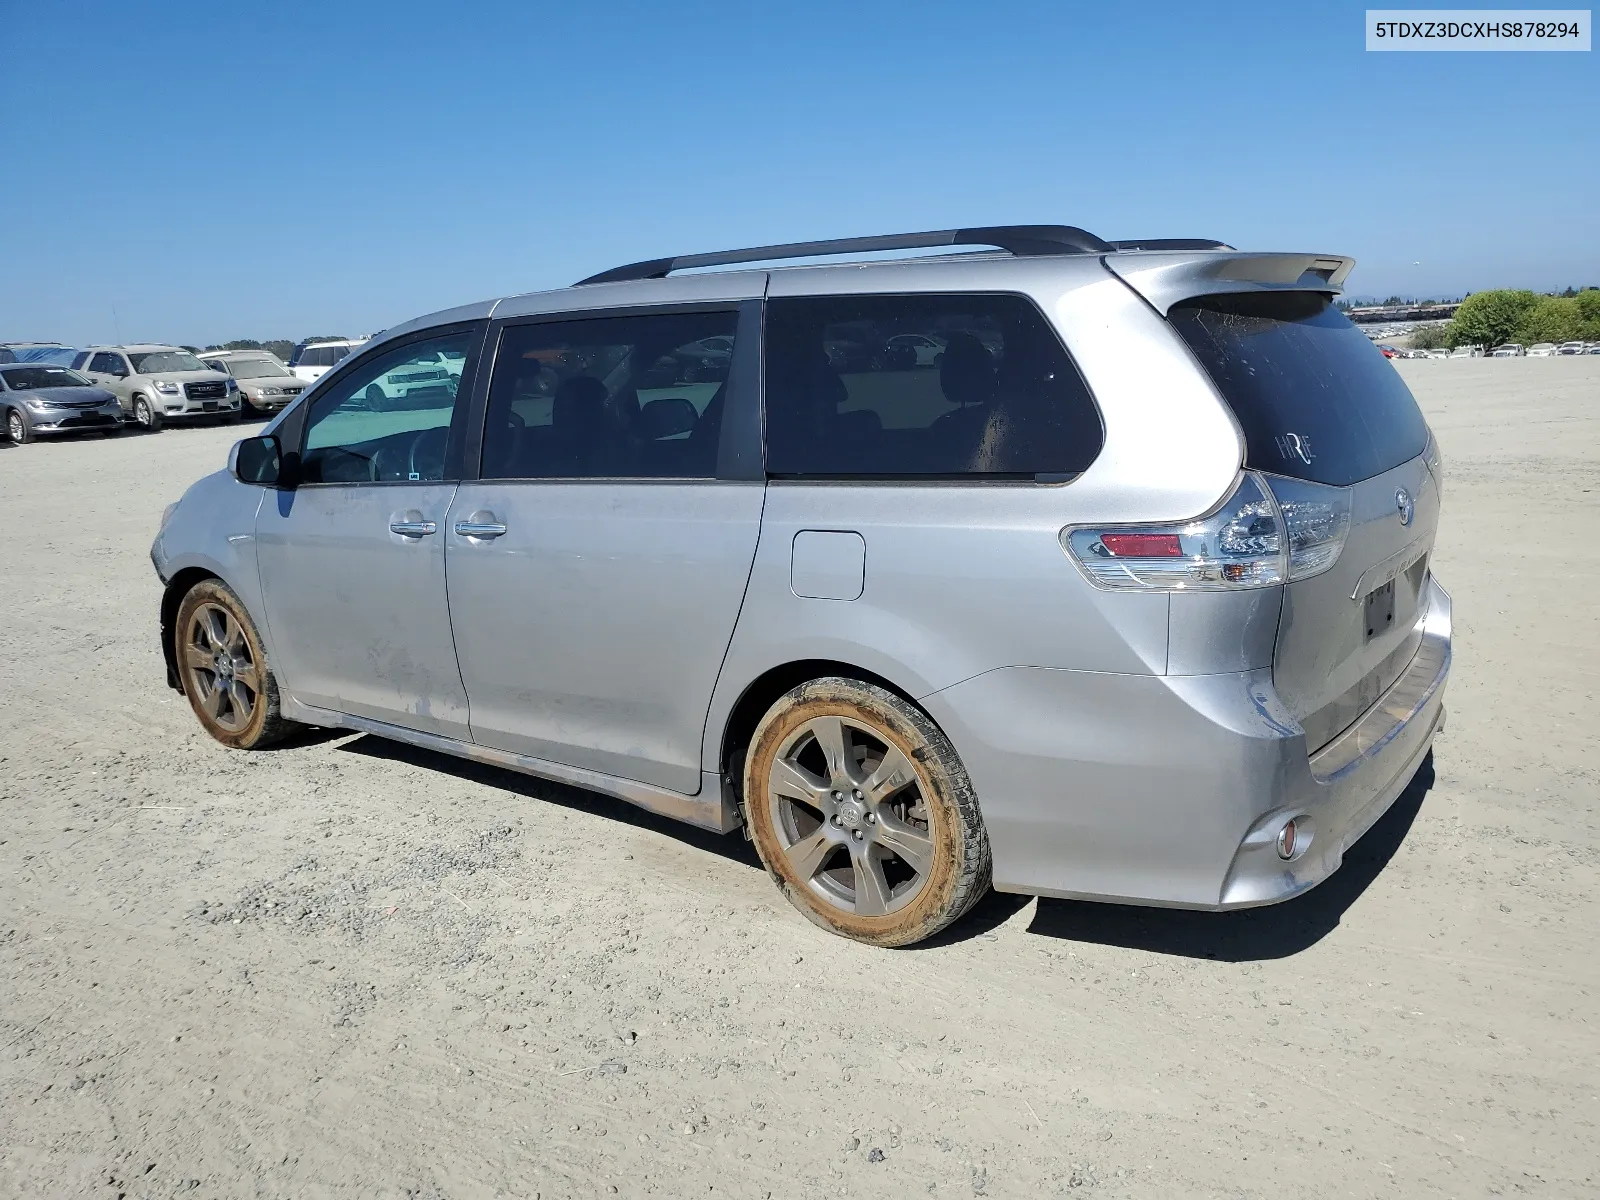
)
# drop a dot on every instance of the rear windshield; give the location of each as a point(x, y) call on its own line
point(1316, 400)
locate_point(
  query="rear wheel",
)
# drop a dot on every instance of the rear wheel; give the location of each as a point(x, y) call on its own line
point(225, 672)
point(17, 428)
point(145, 416)
point(863, 813)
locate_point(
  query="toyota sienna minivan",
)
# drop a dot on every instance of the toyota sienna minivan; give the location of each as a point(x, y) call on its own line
point(1124, 594)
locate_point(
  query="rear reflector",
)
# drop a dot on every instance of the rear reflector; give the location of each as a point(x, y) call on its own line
point(1142, 545)
point(1259, 536)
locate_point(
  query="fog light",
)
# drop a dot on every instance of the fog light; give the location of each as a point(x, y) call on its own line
point(1286, 840)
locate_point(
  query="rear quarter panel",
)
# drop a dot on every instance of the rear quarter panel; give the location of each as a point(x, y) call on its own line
point(967, 577)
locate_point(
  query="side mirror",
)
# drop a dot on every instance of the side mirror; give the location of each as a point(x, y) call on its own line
point(259, 460)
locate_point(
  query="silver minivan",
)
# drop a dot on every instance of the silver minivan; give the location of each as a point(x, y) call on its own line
point(1123, 594)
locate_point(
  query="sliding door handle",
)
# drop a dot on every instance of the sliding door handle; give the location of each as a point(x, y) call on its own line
point(480, 529)
point(413, 528)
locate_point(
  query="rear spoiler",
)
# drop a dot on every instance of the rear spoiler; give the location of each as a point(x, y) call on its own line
point(1166, 278)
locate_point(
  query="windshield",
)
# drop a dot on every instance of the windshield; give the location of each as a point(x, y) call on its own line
point(151, 361)
point(60, 356)
point(1314, 398)
point(255, 368)
point(25, 379)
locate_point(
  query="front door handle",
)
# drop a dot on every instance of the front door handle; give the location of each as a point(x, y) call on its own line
point(480, 529)
point(413, 528)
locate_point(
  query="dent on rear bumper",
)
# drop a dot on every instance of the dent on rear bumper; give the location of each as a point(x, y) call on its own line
point(1169, 790)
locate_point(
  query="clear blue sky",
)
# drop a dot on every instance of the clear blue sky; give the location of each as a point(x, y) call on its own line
point(212, 170)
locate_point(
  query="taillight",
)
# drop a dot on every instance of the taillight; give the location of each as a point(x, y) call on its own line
point(1271, 530)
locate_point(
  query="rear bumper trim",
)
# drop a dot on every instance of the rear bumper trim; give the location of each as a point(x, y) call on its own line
point(1406, 698)
point(1355, 779)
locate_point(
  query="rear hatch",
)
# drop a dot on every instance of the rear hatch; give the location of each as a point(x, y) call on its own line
point(1318, 402)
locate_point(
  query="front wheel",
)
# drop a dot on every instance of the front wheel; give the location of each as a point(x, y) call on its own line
point(145, 416)
point(863, 814)
point(17, 429)
point(226, 676)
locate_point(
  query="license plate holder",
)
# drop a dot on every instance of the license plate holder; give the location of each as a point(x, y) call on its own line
point(1379, 608)
point(208, 406)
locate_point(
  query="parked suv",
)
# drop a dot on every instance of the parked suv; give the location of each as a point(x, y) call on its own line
point(155, 384)
point(311, 360)
point(265, 384)
point(1129, 599)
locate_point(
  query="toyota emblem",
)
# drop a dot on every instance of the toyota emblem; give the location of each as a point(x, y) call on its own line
point(1403, 501)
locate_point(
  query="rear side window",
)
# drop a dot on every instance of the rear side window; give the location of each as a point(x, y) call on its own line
point(1316, 399)
point(609, 397)
point(322, 356)
point(924, 385)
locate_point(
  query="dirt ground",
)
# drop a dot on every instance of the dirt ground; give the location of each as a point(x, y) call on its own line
point(350, 969)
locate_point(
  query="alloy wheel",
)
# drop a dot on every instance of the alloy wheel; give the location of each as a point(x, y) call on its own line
point(849, 811)
point(141, 412)
point(14, 426)
point(221, 669)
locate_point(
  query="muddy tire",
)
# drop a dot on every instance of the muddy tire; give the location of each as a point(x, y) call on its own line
point(224, 668)
point(863, 813)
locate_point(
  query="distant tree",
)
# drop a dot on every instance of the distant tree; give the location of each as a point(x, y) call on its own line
point(1587, 303)
point(192, 349)
point(1553, 319)
point(242, 344)
point(279, 346)
point(1569, 292)
point(327, 337)
point(1489, 318)
point(1394, 302)
point(1429, 337)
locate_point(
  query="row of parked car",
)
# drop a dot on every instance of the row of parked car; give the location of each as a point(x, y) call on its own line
point(1544, 349)
point(49, 388)
point(1509, 350)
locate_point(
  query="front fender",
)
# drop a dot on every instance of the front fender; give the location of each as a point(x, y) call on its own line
point(211, 533)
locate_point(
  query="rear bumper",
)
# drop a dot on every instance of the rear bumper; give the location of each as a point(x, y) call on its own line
point(1170, 790)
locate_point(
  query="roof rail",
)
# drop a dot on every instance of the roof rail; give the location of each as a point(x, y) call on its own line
point(1021, 240)
point(1171, 244)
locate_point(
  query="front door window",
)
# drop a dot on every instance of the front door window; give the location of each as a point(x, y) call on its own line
point(388, 419)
